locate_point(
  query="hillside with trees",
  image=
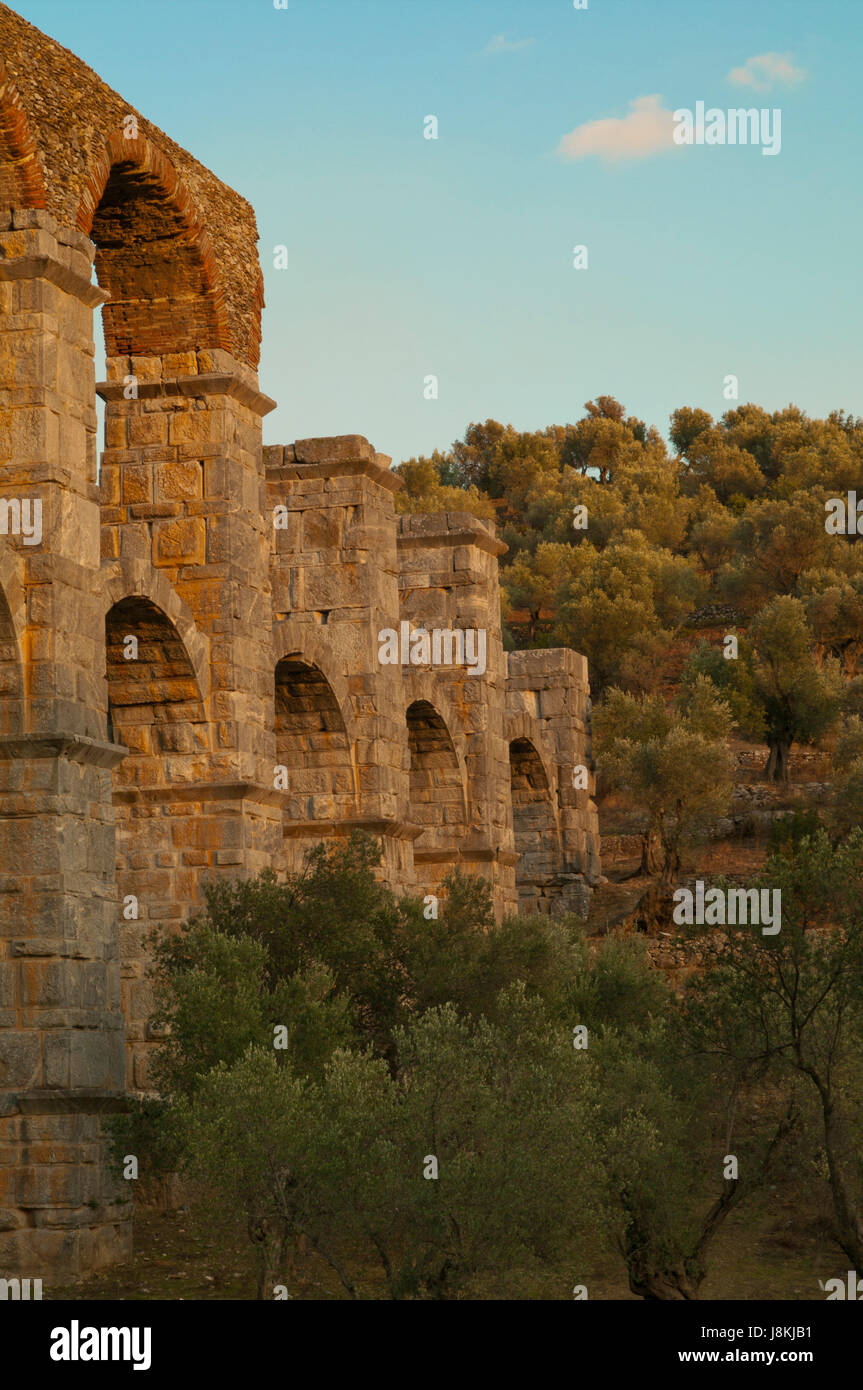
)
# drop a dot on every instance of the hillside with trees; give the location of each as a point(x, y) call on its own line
point(361, 1102)
point(716, 589)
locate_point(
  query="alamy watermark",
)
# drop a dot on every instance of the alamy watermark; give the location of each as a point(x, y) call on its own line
point(440, 647)
point(77, 1343)
point(739, 126)
point(22, 517)
point(848, 1288)
point(20, 1290)
point(732, 906)
point(844, 518)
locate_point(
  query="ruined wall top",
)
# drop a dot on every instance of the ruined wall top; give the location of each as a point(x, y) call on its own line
point(449, 528)
point(61, 139)
point(329, 457)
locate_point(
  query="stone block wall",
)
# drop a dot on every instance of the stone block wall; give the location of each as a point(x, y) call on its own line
point(556, 825)
point(448, 582)
point(339, 713)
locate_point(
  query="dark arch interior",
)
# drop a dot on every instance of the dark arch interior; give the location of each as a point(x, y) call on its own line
point(312, 743)
point(532, 814)
point(151, 264)
point(154, 705)
point(436, 790)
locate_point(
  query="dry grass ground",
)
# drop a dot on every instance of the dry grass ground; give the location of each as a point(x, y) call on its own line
point(775, 1248)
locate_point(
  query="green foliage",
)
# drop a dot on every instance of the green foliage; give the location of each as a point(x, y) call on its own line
point(675, 763)
point(799, 699)
point(847, 808)
point(734, 681)
point(147, 1129)
point(617, 990)
point(333, 914)
point(340, 1160)
point(540, 1146)
point(466, 958)
point(432, 485)
point(787, 834)
point(790, 1006)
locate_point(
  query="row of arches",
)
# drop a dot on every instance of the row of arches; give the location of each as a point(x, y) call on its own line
point(157, 710)
point(313, 745)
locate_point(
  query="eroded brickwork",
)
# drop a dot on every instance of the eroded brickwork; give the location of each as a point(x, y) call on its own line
point(193, 678)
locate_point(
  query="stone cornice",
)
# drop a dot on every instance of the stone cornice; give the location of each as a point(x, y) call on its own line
point(201, 384)
point(58, 272)
point(61, 1101)
point(448, 528)
point(75, 747)
point(201, 791)
point(324, 829)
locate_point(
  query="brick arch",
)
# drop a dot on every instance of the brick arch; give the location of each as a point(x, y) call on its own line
point(437, 798)
point(127, 581)
point(153, 254)
point(22, 182)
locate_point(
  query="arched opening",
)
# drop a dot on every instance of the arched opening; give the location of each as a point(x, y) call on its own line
point(154, 705)
point(312, 746)
point(534, 824)
point(163, 837)
point(437, 799)
point(152, 256)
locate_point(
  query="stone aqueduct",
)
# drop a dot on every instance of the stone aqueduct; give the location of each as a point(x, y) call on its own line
point(257, 646)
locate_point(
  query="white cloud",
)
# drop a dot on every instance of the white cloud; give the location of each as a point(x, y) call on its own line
point(765, 71)
point(501, 44)
point(647, 130)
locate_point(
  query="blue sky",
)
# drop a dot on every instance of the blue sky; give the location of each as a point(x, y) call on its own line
point(410, 257)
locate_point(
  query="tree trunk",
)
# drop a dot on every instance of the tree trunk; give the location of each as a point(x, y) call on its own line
point(683, 1280)
point(849, 1226)
point(776, 769)
point(652, 912)
point(670, 865)
point(652, 854)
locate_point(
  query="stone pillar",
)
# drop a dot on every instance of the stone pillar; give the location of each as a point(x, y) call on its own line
point(335, 587)
point(183, 528)
point(61, 1028)
point(549, 689)
point(449, 581)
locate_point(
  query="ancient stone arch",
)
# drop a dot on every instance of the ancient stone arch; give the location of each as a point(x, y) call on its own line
point(437, 793)
point(260, 584)
point(535, 823)
point(314, 755)
point(153, 255)
point(310, 644)
point(156, 711)
point(125, 580)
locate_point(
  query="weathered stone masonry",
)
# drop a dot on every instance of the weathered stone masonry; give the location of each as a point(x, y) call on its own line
point(165, 648)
